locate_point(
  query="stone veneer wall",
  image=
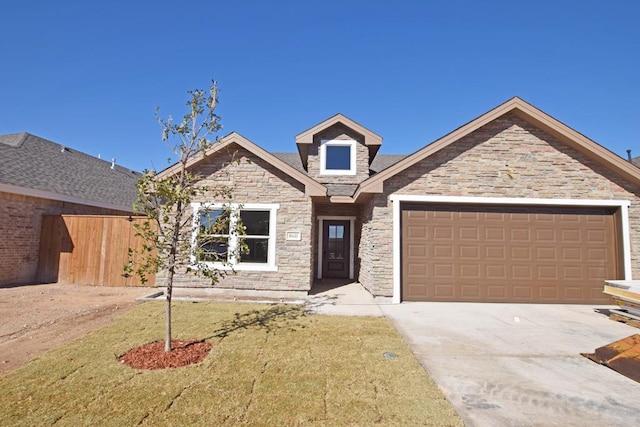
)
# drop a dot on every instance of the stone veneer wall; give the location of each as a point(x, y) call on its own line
point(256, 181)
point(20, 227)
point(362, 156)
point(506, 158)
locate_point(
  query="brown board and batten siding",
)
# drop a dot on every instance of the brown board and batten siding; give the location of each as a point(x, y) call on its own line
point(88, 250)
point(523, 254)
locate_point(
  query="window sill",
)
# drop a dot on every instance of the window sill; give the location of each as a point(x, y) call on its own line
point(338, 173)
point(242, 267)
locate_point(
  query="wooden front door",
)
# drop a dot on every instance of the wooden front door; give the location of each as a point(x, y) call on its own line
point(336, 249)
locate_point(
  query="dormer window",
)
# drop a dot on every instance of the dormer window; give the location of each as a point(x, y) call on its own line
point(338, 157)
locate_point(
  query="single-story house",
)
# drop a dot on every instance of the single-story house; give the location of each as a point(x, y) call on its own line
point(40, 177)
point(513, 206)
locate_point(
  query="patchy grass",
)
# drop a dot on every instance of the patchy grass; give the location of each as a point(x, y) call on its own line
point(270, 365)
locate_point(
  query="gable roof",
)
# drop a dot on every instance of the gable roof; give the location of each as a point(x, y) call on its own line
point(305, 139)
point(312, 187)
point(38, 167)
point(530, 114)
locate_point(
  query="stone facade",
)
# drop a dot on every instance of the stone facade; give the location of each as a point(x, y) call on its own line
point(338, 132)
point(255, 181)
point(20, 225)
point(506, 158)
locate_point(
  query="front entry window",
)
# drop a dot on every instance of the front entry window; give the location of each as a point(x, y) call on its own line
point(336, 242)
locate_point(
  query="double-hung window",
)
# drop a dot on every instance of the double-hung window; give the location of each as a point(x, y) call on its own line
point(338, 157)
point(216, 238)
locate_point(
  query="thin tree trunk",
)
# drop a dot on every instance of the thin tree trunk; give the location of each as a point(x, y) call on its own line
point(172, 269)
point(167, 312)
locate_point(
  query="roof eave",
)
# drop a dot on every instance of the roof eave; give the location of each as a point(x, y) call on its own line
point(43, 194)
point(312, 187)
point(526, 112)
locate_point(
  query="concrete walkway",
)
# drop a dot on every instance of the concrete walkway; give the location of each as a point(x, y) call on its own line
point(348, 299)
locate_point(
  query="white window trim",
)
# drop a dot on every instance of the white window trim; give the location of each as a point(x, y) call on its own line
point(352, 220)
point(337, 143)
point(623, 205)
point(233, 264)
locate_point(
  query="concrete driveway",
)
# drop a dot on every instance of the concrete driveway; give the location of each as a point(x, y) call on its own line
point(520, 365)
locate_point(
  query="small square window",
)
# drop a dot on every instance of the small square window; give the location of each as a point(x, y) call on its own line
point(338, 157)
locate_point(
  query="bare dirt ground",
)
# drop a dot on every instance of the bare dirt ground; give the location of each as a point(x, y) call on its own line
point(37, 318)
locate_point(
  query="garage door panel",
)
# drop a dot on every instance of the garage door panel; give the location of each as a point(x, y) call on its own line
point(495, 253)
point(571, 273)
point(468, 271)
point(496, 271)
point(442, 251)
point(547, 293)
point(444, 271)
point(522, 272)
point(571, 235)
point(417, 232)
point(467, 252)
point(572, 254)
point(496, 293)
point(547, 272)
point(443, 291)
point(468, 233)
point(546, 235)
point(502, 254)
point(419, 251)
point(546, 253)
point(596, 236)
point(521, 253)
point(522, 293)
point(520, 234)
point(470, 292)
point(443, 233)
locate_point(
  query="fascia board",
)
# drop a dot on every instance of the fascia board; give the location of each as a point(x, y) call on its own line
point(42, 194)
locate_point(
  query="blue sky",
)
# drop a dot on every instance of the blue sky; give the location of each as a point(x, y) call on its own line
point(89, 74)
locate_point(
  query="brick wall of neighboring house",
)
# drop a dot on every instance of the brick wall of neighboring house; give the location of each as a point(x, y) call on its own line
point(256, 181)
point(20, 226)
point(362, 157)
point(506, 158)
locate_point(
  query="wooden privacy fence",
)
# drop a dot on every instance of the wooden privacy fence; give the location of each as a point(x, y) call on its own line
point(88, 250)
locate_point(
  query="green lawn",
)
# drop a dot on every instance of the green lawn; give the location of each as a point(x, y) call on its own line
point(270, 365)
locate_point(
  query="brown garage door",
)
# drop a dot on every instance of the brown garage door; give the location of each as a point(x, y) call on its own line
point(508, 254)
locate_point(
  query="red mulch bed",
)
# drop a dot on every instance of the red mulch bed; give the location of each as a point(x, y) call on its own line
point(153, 356)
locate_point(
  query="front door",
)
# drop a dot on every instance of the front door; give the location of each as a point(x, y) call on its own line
point(335, 249)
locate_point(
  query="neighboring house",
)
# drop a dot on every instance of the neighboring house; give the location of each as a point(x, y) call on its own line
point(514, 206)
point(40, 177)
point(636, 161)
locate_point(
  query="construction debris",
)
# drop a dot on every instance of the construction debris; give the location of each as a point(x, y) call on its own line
point(622, 356)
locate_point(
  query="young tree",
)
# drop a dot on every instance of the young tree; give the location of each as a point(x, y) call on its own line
point(169, 227)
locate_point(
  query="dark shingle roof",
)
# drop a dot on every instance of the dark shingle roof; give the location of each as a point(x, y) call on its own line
point(383, 161)
point(32, 162)
point(292, 159)
point(341, 189)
